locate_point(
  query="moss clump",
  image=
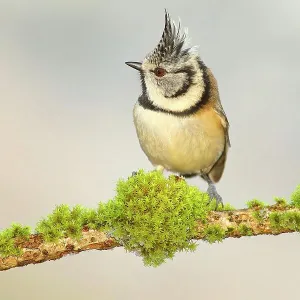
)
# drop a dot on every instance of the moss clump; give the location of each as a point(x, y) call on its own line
point(65, 221)
point(244, 229)
point(255, 203)
point(280, 201)
point(8, 237)
point(228, 207)
point(150, 215)
point(260, 215)
point(156, 217)
point(295, 197)
point(214, 233)
point(285, 220)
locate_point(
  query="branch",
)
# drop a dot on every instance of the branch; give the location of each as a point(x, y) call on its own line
point(35, 250)
point(269, 220)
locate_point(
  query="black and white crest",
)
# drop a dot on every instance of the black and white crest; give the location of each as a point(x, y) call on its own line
point(170, 46)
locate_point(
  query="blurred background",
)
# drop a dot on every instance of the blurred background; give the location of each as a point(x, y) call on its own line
point(67, 136)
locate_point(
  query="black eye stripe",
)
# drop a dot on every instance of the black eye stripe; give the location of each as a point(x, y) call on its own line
point(188, 70)
point(153, 71)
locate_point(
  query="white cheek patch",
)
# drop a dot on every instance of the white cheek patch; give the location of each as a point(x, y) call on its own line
point(171, 86)
point(182, 102)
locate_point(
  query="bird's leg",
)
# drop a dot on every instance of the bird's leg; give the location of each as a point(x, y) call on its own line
point(212, 191)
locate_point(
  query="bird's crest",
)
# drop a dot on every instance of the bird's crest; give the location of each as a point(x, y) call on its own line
point(170, 46)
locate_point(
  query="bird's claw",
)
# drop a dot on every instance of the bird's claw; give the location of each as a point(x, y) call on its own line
point(134, 173)
point(213, 194)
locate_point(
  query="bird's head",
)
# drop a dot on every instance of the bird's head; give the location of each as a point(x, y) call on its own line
point(173, 76)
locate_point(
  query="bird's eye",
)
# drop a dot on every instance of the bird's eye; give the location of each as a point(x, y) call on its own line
point(160, 72)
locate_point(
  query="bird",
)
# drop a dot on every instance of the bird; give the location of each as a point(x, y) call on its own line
point(179, 119)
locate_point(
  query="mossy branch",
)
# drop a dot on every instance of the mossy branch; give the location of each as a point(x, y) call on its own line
point(151, 216)
point(220, 225)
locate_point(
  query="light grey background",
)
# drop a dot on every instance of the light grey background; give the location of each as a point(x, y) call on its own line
point(67, 135)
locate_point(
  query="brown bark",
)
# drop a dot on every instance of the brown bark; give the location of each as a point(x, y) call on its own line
point(35, 250)
point(232, 219)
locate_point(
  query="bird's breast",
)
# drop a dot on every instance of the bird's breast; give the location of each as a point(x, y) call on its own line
point(180, 144)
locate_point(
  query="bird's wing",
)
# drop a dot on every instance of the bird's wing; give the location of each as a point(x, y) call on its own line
point(221, 113)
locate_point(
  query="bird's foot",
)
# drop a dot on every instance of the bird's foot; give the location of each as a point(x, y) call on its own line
point(134, 173)
point(213, 194)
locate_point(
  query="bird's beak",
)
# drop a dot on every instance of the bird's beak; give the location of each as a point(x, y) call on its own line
point(134, 64)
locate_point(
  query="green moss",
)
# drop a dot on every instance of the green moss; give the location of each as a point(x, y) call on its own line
point(259, 215)
point(295, 197)
point(155, 217)
point(90, 218)
point(255, 203)
point(230, 229)
point(275, 218)
point(228, 207)
point(65, 221)
point(285, 220)
point(280, 201)
point(214, 233)
point(7, 239)
point(150, 215)
point(244, 229)
point(212, 205)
